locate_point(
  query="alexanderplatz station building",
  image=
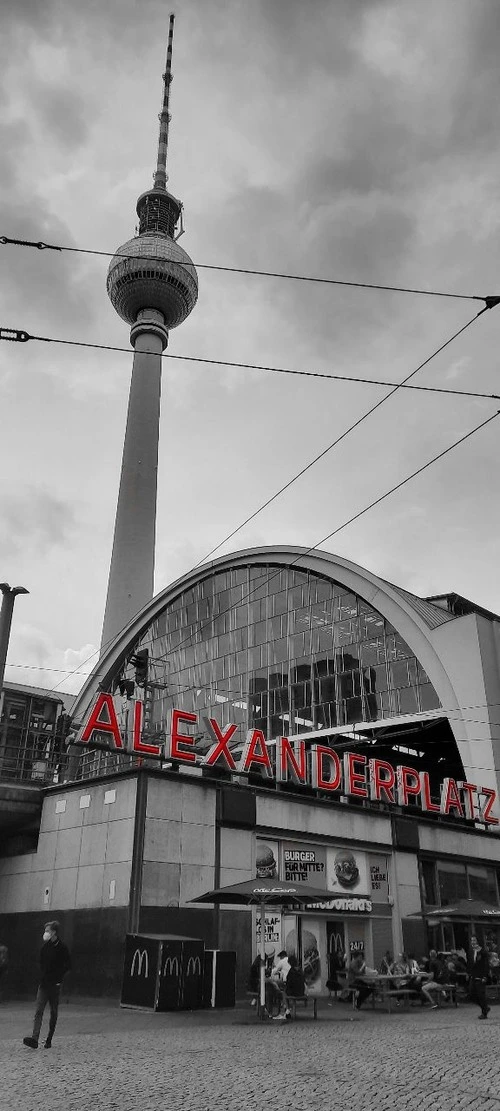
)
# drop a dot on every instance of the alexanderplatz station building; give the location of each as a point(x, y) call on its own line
point(273, 713)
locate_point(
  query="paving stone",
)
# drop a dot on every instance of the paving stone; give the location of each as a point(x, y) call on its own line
point(119, 1060)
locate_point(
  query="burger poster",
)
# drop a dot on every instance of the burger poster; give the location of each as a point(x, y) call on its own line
point(267, 859)
point(304, 863)
point(347, 872)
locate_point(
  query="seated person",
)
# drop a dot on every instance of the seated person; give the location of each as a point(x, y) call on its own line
point(357, 970)
point(295, 986)
point(437, 973)
point(336, 964)
point(281, 968)
point(386, 964)
point(253, 981)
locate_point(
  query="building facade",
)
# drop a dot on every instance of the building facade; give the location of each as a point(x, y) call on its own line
point(178, 780)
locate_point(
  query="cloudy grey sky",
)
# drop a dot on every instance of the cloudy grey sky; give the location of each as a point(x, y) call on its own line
point(354, 139)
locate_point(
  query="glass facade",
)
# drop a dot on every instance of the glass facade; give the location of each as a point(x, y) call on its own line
point(281, 650)
point(447, 881)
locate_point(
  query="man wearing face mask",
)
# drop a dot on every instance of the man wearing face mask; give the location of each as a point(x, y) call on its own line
point(54, 963)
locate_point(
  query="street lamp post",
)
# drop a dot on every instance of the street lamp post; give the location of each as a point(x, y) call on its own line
point(9, 594)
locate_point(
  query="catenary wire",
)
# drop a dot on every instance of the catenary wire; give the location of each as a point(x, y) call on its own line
point(7, 241)
point(238, 694)
point(23, 336)
point(340, 438)
point(305, 553)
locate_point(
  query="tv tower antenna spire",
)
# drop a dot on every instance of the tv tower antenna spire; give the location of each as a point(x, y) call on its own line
point(152, 284)
point(160, 176)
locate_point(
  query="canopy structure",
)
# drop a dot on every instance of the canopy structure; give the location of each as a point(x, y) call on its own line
point(262, 893)
point(472, 909)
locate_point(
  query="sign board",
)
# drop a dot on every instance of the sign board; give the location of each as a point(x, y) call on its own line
point(288, 759)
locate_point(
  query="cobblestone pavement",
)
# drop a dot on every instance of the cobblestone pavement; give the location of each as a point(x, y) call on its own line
point(110, 1059)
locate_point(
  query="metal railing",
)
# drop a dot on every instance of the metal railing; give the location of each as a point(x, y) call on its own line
point(31, 763)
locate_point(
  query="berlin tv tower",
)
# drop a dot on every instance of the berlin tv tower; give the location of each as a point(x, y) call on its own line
point(154, 288)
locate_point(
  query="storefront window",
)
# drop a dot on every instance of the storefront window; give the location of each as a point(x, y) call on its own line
point(452, 881)
point(429, 881)
point(483, 884)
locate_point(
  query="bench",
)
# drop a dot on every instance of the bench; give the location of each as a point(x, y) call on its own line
point(451, 990)
point(292, 1000)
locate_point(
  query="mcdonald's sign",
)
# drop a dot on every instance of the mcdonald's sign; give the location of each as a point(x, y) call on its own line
point(141, 956)
point(171, 966)
point(193, 967)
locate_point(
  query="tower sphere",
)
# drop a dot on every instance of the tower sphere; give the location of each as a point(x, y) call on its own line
point(157, 274)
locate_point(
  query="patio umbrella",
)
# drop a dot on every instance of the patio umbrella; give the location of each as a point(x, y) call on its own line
point(466, 908)
point(262, 893)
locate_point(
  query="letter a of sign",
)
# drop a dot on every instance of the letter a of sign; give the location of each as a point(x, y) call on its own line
point(96, 724)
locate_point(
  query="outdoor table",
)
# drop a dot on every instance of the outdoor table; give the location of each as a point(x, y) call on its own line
point(387, 982)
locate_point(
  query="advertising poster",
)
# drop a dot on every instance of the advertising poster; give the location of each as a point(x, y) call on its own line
point(304, 863)
point(267, 859)
point(379, 878)
point(272, 940)
point(347, 872)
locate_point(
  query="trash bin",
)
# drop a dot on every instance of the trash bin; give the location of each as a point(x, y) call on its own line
point(163, 972)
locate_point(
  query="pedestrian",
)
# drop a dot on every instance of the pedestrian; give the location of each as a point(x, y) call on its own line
point(55, 962)
point(479, 969)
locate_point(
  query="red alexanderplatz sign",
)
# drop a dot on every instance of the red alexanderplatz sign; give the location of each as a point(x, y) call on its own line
point(318, 766)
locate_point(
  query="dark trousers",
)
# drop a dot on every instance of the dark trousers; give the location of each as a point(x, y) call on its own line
point(478, 994)
point(47, 993)
point(363, 990)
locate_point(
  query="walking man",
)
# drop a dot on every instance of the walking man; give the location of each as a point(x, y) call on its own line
point(54, 963)
point(479, 968)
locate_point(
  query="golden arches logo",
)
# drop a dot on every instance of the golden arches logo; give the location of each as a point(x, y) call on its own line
point(171, 966)
point(141, 956)
point(193, 967)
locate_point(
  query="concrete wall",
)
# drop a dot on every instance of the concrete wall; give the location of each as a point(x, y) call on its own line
point(84, 852)
point(303, 819)
point(179, 842)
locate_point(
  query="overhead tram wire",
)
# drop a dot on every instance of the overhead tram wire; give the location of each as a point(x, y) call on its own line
point(20, 335)
point(239, 694)
point(377, 501)
point(351, 727)
point(343, 435)
point(41, 246)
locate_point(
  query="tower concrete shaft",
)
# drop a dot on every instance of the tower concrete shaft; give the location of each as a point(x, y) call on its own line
point(131, 574)
point(153, 285)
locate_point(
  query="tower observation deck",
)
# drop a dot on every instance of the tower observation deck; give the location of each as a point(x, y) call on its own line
point(152, 284)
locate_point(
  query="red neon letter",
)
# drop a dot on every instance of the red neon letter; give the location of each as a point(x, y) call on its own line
point(490, 799)
point(408, 783)
point(137, 744)
point(255, 752)
point(380, 786)
point(220, 748)
point(354, 781)
point(174, 743)
point(95, 723)
point(425, 794)
point(290, 761)
point(450, 798)
point(320, 753)
point(469, 790)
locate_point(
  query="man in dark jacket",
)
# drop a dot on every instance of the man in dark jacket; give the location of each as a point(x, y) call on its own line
point(479, 968)
point(54, 963)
